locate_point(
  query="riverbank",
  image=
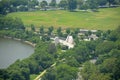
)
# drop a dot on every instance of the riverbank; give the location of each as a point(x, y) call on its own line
point(27, 42)
point(13, 50)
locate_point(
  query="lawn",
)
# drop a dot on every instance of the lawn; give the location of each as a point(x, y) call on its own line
point(106, 18)
point(33, 76)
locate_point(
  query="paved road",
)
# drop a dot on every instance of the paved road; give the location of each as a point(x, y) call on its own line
point(39, 76)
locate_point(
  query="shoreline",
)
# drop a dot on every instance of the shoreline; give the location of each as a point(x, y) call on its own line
point(27, 42)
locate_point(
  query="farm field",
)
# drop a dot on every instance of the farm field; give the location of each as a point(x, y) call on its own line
point(106, 18)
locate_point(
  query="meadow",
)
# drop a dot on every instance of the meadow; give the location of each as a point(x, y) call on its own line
point(104, 19)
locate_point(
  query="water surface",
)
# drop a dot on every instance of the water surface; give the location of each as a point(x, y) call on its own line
point(11, 50)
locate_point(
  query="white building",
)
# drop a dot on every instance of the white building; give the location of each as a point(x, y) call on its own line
point(56, 40)
point(69, 39)
point(92, 37)
point(68, 42)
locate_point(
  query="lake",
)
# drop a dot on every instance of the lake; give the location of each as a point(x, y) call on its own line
point(11, 50)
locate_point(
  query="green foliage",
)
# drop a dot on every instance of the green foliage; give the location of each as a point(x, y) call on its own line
point(43, 4)
point(53, 3)
point(63, 4)
point(72, 4)
point(50, 29)
point(61, 72)
point(59, 33)
point(93, 4)
point(3, 74)
point(91, 72)
point(32, 27)
point(50, 75)
point(11, 23)
point(105, 47)
point(4, 6)
point(114, 35)
point(42, 29)
point(68, 31)
point(52, 48)
point(108, 62)
point(102, 2)
point(37, 62)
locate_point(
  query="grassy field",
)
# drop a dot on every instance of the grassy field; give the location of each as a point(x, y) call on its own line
point(107, 18)
point(33, 76)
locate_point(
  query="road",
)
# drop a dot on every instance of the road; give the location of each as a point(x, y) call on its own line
point(39, 76)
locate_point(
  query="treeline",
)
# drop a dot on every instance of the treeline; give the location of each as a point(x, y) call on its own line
point(107, 66)
point(14, 28)
point(7, 6)
point(11, 23)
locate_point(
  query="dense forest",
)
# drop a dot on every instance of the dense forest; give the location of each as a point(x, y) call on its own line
point(60, 62)
point(7, 6)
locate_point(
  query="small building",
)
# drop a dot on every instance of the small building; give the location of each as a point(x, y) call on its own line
point(93, 31)
point(92, 37)
point(83, 31)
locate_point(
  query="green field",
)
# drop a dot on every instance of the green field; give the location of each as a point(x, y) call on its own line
point(107, 18)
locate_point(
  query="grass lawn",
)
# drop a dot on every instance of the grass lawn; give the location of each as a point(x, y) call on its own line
point(106, 18)
point(33, 76)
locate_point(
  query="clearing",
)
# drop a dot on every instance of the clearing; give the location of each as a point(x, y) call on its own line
point(106, 18)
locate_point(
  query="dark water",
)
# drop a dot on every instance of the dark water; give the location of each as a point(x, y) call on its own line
point(11, 50)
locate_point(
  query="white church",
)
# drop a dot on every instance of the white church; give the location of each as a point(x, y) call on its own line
point(68, 42)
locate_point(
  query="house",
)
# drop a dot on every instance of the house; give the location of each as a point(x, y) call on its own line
point(92, 37)
point(83, 31)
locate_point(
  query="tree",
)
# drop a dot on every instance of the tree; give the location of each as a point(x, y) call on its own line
point(88, 33)
point(32, 4)
point(91, 72)
point(66, 72)
point(111, 2)
point(53, 3)
point(19, 24)
point(82, 4)
point(43, 5)
point(18, 5)
point(59, 31)
point(50, 29)
point(52, 48)
point(72, 4)
point(93, 4)
point(114, 35)
point(63, 4)
point(50, 75)
point(76, 31)
point(4, 74)
point(32, 27)
point(105, 47)
point(102, 2)
point(4, 6)
point(42, 29)
point(68, 30)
